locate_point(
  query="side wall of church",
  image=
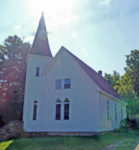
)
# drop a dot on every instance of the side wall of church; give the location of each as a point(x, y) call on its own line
point(111, 113)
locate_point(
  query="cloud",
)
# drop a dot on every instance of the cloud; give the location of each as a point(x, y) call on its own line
point(122, 12)
point(105, 2)
point(133, 10)
point(98, 11)
point(29, 38)
point(74, 35)
point(17, 27)
point(84, 51)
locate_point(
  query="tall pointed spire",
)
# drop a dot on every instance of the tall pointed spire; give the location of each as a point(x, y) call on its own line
point(40, 44)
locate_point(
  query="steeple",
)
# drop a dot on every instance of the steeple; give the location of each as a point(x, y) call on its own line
point(40, 44)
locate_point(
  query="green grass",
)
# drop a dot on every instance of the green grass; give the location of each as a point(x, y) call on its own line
point(129, 141)
point(127, 145)
point(72, 143)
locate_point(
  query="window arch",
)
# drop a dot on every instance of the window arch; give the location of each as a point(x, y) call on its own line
point(66, 100)
point(35, 102)
point(35, 110)
point(66, 109)
point(58, 101)
point(58, 110)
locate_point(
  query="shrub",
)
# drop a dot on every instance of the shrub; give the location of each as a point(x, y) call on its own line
point(123, 126)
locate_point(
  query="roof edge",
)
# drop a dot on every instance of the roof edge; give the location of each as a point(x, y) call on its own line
point(114, 98)
point(61, 50)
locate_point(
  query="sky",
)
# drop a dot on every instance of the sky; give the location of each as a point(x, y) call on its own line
point(100, 32)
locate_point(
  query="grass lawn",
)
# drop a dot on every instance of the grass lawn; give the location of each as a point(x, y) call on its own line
point(72, 143)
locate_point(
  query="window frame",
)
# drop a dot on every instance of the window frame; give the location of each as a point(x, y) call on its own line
point(108, 107)
point(58, 103)
point(35, 109)
point(66, 112)
point(58, 84)
point(37, 71)
point(67, 85)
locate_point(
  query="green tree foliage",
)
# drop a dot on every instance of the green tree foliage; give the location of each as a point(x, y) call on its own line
point(132, 69)
point(113, 79)
point(128, 85)
point(132, 107)
point(125, 88)
point(13, 54)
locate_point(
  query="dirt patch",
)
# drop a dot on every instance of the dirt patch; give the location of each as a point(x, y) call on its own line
point(111, 147)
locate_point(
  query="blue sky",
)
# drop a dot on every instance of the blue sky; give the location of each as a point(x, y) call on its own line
point(100, 32)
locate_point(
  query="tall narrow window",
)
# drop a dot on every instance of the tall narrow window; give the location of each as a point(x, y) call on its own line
point(37, 71)
point(121, 113)
point(58, 84)
point(58, 110)
point(35, 110)
point(67, 83)
point(108, 110)
point(115, 112)
point(66, 109)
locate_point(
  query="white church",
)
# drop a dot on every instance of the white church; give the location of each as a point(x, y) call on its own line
point(63, 94)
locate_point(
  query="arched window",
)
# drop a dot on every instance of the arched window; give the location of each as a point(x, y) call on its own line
point(35, 110)
point(66, 109)
point(58, 109)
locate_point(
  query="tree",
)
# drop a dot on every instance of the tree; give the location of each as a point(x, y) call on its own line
point(113, 79)
point(132, 69)
point(13, 77)
point(125, 88)
point(108, 77)
point(128, 85)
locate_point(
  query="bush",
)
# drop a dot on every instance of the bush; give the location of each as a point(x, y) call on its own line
point(123, 126)
point(132, 124)
point(126, 124)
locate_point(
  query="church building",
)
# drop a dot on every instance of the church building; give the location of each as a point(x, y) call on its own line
point(64, 94)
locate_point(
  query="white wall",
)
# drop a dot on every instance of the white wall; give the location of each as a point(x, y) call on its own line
point(87, 106)
point(112, 123)
point(83, 96)
point(34, 85)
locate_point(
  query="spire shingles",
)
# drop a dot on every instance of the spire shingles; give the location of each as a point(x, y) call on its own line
point(40, 44)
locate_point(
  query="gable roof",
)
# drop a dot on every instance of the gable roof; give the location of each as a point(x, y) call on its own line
point(96, 77)
point(40, 44)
